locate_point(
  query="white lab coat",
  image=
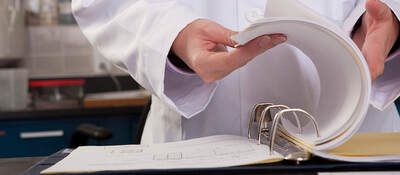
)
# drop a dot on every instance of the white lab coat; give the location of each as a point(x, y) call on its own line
point(137, 35)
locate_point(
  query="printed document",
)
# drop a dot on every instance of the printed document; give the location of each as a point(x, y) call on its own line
point(206, 152)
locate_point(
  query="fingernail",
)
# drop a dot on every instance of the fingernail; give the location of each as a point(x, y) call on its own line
point(278, 40)
point(265, 41)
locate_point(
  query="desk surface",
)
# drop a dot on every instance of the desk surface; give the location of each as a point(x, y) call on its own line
point(30, 114)
point(285, 167)
point(17, 165)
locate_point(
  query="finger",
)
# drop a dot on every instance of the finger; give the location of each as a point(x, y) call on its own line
point(377, 9)
point(241, 56)
point(375, 54)
point(220, 34)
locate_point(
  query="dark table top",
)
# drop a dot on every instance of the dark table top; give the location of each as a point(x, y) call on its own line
point(313, 166)
point(11, 166)
point(31, 114)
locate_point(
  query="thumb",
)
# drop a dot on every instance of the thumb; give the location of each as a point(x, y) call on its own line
point(247, 52)
point(376, 9)
point(219, 34)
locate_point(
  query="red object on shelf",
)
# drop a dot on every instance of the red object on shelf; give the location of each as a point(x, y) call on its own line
point(56, 94)
point(66, 82)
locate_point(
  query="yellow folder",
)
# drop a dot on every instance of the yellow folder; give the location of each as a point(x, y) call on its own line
point(369, 144)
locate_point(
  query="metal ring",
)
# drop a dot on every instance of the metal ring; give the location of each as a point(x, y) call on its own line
point(299, 128)
point(279, 115)
point(264, 113)
point(253, 116)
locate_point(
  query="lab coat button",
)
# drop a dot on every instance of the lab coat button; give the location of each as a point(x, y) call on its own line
point(254, 14)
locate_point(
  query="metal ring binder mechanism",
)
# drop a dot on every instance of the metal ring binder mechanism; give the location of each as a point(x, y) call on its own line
point(278, 141)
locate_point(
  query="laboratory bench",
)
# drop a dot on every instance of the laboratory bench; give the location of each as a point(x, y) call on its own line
point(31, 132)
point(35, 131)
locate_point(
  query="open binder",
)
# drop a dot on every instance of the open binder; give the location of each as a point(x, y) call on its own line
point(371, 147)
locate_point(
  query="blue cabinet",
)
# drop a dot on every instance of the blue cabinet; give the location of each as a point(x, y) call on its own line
point(26, 138)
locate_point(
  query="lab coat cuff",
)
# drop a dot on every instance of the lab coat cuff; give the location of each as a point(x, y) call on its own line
point(386, 88)
point(176, 69)
point(188, 92)
point(395, 54)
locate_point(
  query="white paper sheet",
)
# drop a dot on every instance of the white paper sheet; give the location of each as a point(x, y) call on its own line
point(206, 152)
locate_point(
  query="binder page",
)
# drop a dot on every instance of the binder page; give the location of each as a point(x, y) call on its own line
point(206, 152)
point(340, 98)
point(367, 147)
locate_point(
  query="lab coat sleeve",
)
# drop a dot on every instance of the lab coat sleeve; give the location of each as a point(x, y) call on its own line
point(137, 35)
point(385, 89)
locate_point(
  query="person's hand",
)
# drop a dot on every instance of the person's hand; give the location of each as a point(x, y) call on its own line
point(376, 36)
point(202, 46)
